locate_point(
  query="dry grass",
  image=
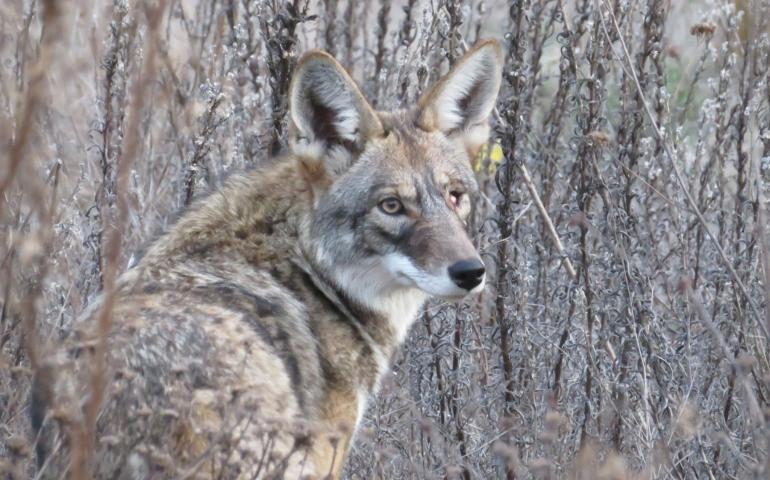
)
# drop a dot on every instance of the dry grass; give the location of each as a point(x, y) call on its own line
point(624, 333)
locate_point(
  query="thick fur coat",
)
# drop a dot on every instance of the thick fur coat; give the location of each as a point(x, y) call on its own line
point(248, 339)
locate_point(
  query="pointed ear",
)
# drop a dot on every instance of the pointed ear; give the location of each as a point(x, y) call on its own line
point(329, 115)
point(460, 103)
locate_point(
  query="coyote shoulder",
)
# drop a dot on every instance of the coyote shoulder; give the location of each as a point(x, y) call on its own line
point(248, 339)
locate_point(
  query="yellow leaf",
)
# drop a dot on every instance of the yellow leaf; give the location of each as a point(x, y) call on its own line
point(495, 156)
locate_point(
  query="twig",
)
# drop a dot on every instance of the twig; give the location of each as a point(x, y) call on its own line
point(672, 157)
point(33, 99)
point(79, 461)
point(547, 220)
point(695, 301)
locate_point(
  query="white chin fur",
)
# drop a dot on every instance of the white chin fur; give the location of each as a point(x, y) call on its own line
point(434, 285)
point(372, 284)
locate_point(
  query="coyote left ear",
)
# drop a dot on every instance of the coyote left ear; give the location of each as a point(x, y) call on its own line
point(330, 118)
point(460, 103)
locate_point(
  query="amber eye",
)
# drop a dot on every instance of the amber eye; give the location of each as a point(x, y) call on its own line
point(391, 206)
point(454, 198)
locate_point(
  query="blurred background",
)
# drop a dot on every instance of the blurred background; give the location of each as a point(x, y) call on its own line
point(624, 330)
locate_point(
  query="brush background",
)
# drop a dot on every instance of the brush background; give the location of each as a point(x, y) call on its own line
point(651, 363)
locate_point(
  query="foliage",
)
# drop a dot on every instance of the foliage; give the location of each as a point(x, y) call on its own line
point(624, 331)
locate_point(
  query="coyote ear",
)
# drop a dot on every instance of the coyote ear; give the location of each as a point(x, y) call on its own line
point(461, 102)
point(329, 115)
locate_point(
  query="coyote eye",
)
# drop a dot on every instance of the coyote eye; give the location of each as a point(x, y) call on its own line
point(455, 197)
point(391, 206)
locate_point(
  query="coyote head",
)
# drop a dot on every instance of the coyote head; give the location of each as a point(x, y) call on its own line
point(392, 191)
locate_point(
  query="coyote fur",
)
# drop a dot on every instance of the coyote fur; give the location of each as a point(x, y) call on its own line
point(248, 339)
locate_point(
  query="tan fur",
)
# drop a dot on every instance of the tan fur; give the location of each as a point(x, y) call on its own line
point(246, 340)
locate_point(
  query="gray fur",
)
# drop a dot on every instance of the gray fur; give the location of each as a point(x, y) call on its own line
point(246, 341)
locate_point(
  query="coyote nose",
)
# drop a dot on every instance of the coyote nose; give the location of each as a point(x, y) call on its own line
point(467, 274)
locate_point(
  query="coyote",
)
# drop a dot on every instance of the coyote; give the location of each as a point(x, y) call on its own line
point(248, 339)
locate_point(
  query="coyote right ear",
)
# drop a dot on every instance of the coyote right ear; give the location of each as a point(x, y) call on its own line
point(460, 103)
point(331, 120)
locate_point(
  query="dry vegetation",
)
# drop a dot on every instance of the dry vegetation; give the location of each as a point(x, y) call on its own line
point(624, 333)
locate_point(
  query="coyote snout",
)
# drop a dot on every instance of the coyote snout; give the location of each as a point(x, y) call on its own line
point(437, 256)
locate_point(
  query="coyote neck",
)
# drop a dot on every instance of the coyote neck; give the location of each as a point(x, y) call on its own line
point(382, 318)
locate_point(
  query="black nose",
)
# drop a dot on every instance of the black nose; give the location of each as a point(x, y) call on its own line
point(467, 274)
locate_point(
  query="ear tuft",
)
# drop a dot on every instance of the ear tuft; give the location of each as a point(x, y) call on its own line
point(462, 101)
point(308, 151)
point(312, 169)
